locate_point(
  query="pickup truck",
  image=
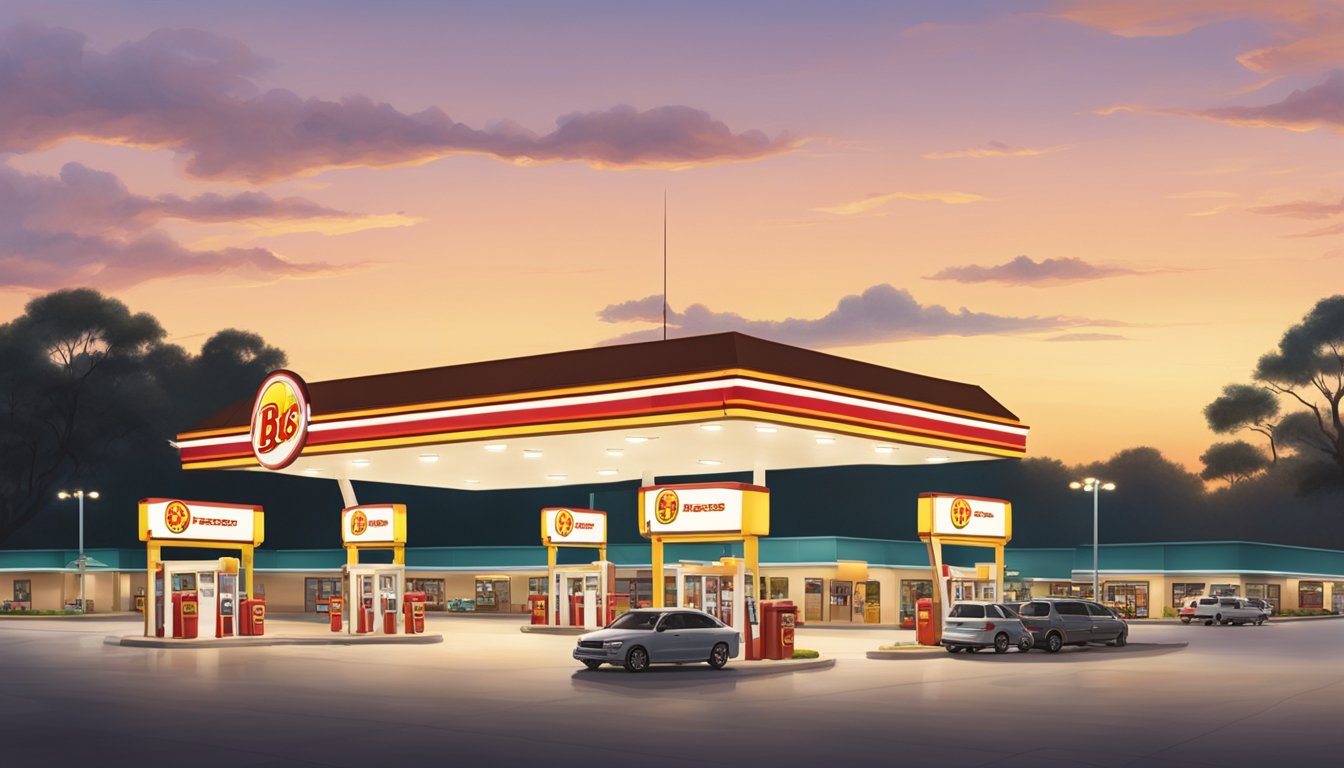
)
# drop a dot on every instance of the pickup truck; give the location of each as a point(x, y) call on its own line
point(1228, 610)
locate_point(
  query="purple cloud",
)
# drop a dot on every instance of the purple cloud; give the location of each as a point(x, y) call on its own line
point(193, 92)
point(880, 314)
point(1302, 209)
point(85, 227)
point(1024, 271)
point(1321, 106)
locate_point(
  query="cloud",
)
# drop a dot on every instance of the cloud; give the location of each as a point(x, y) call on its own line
point(882, 313)
point(1311, 32)
point(1326, 231)
point(1202, 194)
point(1321, 106)
point(85, 227)
point(1301, 209)
point(194, 92)
point(1087, 337)
point(875, 201)
point(991, 149)
point(1025, 271)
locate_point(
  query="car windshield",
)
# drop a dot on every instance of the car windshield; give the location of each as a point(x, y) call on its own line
point(964, 611)
point(635, 620)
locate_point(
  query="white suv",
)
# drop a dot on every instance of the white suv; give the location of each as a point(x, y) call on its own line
point(1228, 610)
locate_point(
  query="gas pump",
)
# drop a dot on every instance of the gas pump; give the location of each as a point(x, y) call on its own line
point(336, 612)
point(415, 613)
point(375, 593)
point(228, 604)
point(158, 602)
point(185, 614)
point(387, 600)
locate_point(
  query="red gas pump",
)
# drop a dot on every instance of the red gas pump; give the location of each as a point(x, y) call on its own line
point(224, 616)
point(365, 623)
point(253, 620)
point(926, 629)
point(185, 616)
point(414, 609)
point(538, 603)
point(336, 611)
point(778, 618)
point(389, 615)
point(575, 610)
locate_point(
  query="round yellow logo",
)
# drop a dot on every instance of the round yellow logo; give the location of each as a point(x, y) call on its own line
point(176, 517)
point(666, 507)
point(961, 513)
point(564, 522)
point(359, 522)
point(280, 420)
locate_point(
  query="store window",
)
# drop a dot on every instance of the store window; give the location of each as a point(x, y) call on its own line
point(23, 594)
point(1182, 591)
point(912, 590)
point(1016, 590)
point(1224, 590)
point(1310, 595)
point(317, 594)
point(775, 587)
point(433, 589)
point(1060, 589)
point(1270, 593)
point(1128, 598)
point(536, 585)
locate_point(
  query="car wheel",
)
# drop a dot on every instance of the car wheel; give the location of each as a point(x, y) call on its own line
point(951, 648)
point(1053, 642)
point(1259, 622)
point(1026, 643)
point(591, 663)
point(719, 656)
point(1185, 619)
point(637, 660)
point(1121, 639)
point(1208, 622)
point(972, 649)
point(1218, 619)
point(1001, 642)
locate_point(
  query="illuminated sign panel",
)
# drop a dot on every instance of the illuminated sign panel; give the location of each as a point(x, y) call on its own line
point(280, 417)
point(964, 516)
point(374, 524)
point(705, 508)
point(564, 525)
point(167, 519)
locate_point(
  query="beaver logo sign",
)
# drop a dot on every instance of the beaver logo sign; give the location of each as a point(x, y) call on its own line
point(961, 513)
point(666, 508)
point(359, 523)
point(280, 420)
point(176, 517)
point(564, 523)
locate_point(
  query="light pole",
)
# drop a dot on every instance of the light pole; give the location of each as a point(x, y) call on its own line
point(1094, 486)
point(80, 494)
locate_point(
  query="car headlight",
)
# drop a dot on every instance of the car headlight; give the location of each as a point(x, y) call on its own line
point(612, 644)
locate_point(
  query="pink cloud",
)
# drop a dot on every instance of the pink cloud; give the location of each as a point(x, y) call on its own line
point(1321, 106)
point(1024, 270)
point(194, 92)
point(1301, 209)
point(882, 313)
point(85, 227)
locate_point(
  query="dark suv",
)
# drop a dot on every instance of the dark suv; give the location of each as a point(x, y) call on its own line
point(1057, 622)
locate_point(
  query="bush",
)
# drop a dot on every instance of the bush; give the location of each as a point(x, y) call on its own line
point(1306, 612)
point(30, 612)
point(799, 653)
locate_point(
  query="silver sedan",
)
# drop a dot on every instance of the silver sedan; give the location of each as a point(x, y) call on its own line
point(647, 636)
point(971, 626)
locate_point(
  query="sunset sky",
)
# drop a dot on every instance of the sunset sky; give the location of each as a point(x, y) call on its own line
point(1101, 212)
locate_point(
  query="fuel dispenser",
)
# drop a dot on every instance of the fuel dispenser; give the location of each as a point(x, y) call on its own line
point(225, 616)
point(185, 613)
point(336, 612)
point(926, 624)
point(254, 616)
point(538, 603)
point(778, 619)
point(375, 592)
point(387, 598)
point(414, 607)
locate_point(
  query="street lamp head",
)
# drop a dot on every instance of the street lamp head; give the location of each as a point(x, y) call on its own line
point(62, 495)
point(94, 494)
point(1108, 487)
point(1090, 480)
point(1089, 488)
point(1075, 485)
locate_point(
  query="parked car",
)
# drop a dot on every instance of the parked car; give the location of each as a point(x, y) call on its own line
point(971, 626)
point(1187, 610)
point(1263, 605)
point(644, 636)
point(1057, 622)
point(1228, 610)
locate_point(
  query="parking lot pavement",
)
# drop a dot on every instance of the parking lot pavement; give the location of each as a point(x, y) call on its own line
point(491, 695)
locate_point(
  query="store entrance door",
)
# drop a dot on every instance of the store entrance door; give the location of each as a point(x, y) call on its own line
point(812, 602)
point(872, 602)
point(842, 596)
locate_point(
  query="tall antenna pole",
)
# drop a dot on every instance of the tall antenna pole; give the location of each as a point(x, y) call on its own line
point(664, 265)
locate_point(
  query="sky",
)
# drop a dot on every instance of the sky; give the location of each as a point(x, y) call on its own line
point(1100, 212)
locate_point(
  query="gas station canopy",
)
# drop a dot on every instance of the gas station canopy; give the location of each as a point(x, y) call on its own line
point(705, 404)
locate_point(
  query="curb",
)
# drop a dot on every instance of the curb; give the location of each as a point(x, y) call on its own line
point(543, 629)
point(136, 641)
point(913, 652)
point(779, 667)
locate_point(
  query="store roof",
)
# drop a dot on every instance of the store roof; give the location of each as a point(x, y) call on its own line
point(625, 411)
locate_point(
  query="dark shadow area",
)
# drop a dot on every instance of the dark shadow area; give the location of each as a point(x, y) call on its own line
point(1071, 654)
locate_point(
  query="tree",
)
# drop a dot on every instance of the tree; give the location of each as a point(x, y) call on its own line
point(1308, 367)
point(1243, 406)
point(1234, 462)
point(87, 388)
